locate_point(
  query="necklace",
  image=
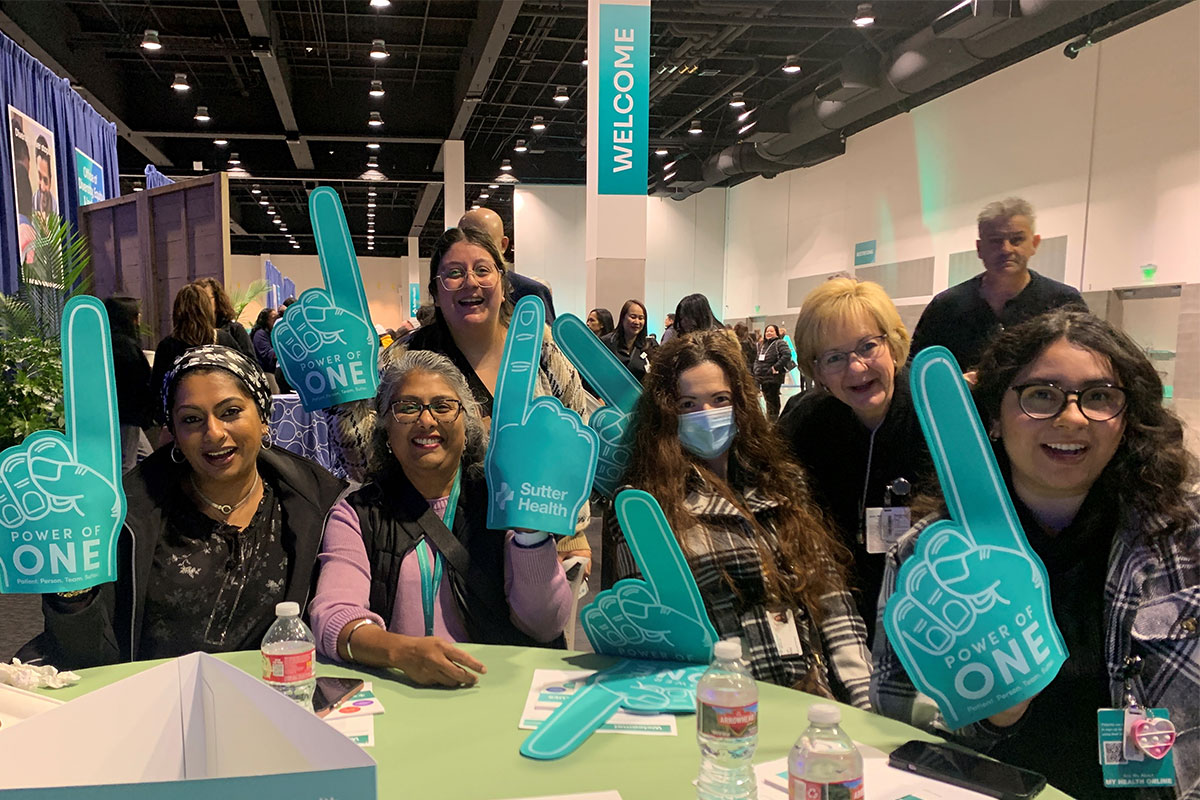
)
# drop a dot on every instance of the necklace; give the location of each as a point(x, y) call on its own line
point(224, 508)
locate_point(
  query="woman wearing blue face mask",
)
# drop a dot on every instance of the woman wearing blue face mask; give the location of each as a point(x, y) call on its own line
point(767, 566)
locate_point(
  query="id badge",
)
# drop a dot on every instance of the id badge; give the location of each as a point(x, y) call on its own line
point(783, 629)
point(762, 356)
point(1148, 735)
point(885, 526)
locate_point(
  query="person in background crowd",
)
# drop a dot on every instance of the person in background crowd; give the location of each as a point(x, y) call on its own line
point(260, 337)
point(694, 314)
point(964, 318)
point(762, 559)
point(227, 317)
point(193, 323)
point(132, 372)
point(857, 435)
point(793, 373)
point(629, 342)
point(220, 527)
point(1104, 490)
point(747, 343)
point(43, 198)
point(488, 222)
point(497, 587)
point(770, 365)
point(600, 322)
point(668, 329)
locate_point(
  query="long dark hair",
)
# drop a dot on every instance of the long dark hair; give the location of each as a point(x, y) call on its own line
point(806, 561)
point(192, 318)
point(694, 314)
point(1151, 468)
point(453, 236)
point(222, 305)
point(605, 318)
point(123, 315)
point(640, 339)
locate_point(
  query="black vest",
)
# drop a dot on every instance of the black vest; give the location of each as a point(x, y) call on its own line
point(394, 517)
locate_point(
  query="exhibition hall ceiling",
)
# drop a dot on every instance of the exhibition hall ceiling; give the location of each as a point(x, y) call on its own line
point(287, 85)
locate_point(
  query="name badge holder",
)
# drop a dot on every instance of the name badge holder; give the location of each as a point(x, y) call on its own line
point(883, 526)
point(1135, 742)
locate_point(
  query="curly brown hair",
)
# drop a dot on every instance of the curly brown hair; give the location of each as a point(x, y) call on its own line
point(222, 305)
point(1151, 470)
point(803, 561)
point(192, 319)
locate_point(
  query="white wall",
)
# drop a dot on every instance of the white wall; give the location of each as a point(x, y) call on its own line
point(1106, 147)
point(685, 245)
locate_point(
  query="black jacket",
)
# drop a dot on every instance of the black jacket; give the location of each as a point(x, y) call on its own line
point(773, 355)
point(633, 359)
point(108, 629)
point(135, 404)
point(241, 339)
point(388, 511)
point(835, 449)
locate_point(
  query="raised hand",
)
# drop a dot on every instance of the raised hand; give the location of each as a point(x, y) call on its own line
point(326, 342)
point(662, 616)
point(541, 459)
point(645, 686)
point(61, 500)
point(617, 388)
point(970, 618)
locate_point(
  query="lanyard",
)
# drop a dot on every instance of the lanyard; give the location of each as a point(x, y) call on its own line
point(431, 579)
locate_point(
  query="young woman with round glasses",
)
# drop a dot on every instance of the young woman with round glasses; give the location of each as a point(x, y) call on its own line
point(408, 565)
point(1103, 487)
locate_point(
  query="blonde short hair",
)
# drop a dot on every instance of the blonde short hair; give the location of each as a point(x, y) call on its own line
point(839, 299)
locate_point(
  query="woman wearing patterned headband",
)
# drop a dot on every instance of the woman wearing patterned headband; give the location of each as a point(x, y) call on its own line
point(220, 527)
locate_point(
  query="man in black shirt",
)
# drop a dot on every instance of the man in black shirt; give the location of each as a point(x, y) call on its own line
point(965, 317)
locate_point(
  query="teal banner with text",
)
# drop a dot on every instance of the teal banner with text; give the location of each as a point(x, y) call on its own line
point(624, 124)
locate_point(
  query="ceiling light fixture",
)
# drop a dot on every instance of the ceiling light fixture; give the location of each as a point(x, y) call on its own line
point(695, 128)
point(791, 65)
point(255, 190)
point(669, 167)
point(746, 127)
point(737, 101)
point(375, 120)
point(234, 160)
point(372, 193)
point(150, 40)
point(484, 195)
point(138, 189)
point(277, 221)
point(378, 49)
point(295, 246)
point(661, 151)
point(202, 114)
point(370, 204)
point(668, 177)
point(742, 117)
point(380, 3)
point(506, 165)
point(372, 162)
point(475, 207)
point(220, 142)
point(283, 228)
point(520, 147)
point(539, 124)
point(493, 186)
point(372, 145)
point(262, 202)
point(180, 83)
point(376, 89)
point(864, 16)
point(560, 95)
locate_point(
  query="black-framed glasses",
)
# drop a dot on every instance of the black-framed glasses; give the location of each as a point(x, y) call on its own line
point(443, 409)
point(454, 277)
point(867, 351)
point(1099, 402)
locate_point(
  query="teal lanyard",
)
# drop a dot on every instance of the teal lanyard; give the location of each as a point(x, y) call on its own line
point(431, 579)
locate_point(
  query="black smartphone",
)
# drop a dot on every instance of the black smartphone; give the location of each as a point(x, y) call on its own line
point(332, 692)
point(959, 766)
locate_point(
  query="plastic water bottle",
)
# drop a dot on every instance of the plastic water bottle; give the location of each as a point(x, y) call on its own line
point(824, 763)
point(727, 726)
point(289, 655)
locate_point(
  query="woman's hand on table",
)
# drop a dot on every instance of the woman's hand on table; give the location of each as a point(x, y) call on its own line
point(427, 660)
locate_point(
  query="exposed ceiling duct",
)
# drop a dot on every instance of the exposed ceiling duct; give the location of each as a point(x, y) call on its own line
point(808, 131)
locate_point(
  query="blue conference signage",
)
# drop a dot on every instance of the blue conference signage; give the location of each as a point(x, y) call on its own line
point(624, 124)
point(414, 299)
point(89, 178)
point(864, 253)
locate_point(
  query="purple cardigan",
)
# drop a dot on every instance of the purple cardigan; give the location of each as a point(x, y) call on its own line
point(539, 596)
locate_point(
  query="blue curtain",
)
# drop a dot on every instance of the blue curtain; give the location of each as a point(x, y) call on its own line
point(34, 90)
point(155, 179)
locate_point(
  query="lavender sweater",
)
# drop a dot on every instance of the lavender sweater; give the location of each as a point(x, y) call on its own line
point(539, 596)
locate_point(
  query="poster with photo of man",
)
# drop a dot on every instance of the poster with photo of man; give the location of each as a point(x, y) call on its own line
point(34, 181)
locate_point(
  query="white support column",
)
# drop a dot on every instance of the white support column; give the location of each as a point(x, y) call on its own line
point(618, 146)
point(454, 195)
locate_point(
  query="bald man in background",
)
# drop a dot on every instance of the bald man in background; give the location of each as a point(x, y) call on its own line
point(486, 221)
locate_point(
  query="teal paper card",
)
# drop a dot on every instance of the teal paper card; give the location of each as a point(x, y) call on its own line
point(617, 388)
point(970, 618)
point(653, 687)
point(541, 459)
point(61, 499)
point(326, 343)
point(661, 617)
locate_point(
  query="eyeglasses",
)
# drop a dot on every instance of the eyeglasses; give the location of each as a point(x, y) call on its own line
point(1098, 403)
point(443, 409)
point(453, 278)
point(868, 350)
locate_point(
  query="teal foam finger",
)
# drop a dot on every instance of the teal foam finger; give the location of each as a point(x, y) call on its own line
point(339, 264)
point(90, 389)
point(599, 367)
point(517, 381)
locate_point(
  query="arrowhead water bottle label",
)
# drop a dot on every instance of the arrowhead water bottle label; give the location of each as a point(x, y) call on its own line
point(800, 789)
point(288, 667)
point(729, 722)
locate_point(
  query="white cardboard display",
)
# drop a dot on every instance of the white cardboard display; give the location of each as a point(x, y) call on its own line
point(205, 727)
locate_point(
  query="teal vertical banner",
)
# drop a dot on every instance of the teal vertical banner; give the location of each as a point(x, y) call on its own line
point(623, 132)
point(864, 253)
point(89, 177)
point(414, 298)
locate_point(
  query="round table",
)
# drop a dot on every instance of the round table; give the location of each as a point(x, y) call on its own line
point(462, 743)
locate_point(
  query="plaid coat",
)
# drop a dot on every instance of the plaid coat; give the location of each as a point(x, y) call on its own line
point(1152, 610)
point(834, 652)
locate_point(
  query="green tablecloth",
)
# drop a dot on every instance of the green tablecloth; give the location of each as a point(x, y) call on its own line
point(462, 743)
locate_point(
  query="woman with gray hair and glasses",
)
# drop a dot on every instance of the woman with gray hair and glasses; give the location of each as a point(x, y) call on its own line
point(408, 565)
